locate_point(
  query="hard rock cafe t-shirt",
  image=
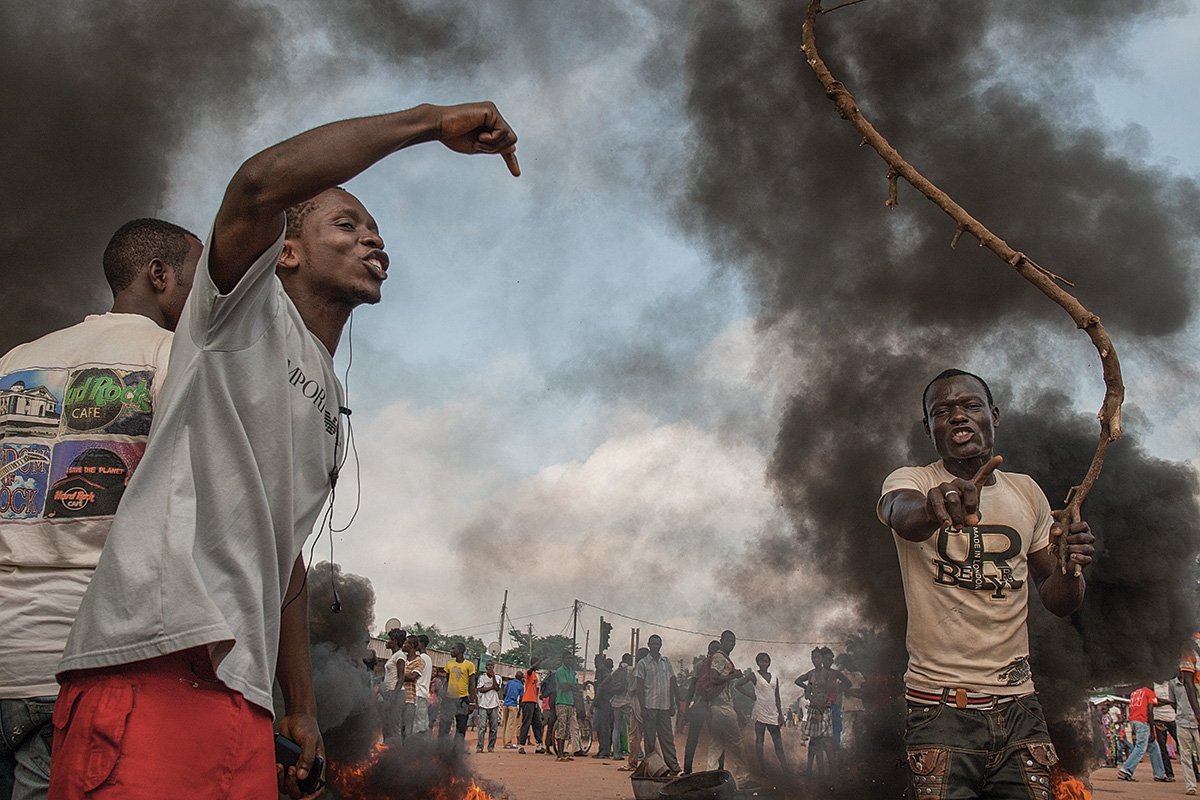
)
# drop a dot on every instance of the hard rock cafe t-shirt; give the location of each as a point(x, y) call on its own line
point(75, 413)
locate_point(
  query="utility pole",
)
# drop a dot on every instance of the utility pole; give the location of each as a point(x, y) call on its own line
point(575, 629)
point(503, 612)
point(587, 641)
point(531, 644)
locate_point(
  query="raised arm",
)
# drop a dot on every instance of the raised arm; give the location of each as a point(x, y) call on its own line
point(272, 181)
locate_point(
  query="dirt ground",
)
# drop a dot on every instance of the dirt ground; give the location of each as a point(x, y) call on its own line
point(539, 777)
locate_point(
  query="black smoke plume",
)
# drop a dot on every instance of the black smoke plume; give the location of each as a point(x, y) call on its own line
point(99, 100)
point(877, 303)
point(347, 710)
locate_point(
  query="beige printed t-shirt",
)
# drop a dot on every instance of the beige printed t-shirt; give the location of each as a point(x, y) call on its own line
point(967, 592)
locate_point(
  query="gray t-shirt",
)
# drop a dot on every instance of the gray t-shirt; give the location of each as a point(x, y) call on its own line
point(1184, 716)
point(235, 475)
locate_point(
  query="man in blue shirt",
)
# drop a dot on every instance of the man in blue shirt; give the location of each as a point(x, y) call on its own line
point(511, 708)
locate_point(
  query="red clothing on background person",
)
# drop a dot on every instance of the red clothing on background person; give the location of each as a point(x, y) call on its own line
point(1139, 704)
point(530, 695)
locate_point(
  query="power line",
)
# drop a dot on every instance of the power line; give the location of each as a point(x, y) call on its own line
point(510, 619)
point(697, 633)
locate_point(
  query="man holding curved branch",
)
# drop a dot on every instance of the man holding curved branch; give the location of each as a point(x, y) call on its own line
point(969, 539)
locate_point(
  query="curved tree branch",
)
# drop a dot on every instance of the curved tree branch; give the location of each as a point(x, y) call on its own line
point(1045, 280)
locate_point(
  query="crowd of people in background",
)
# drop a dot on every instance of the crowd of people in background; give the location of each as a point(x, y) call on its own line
point(630, 709)
point(633, 709)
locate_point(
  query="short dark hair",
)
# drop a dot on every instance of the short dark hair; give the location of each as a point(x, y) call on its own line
point(295, 218)
point(297, 213)
point(397, 635)
point(952, 373)
point(137, 242)
point(423, 639)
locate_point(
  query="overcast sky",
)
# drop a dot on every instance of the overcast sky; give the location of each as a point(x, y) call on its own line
point(567, 392)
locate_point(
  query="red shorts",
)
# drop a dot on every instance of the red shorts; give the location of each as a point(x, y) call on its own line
point(159, 728)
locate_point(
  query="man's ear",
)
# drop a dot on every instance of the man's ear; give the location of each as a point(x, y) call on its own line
point(925, 425)
point(289, 258)
point(995, 416)
point(157, 271)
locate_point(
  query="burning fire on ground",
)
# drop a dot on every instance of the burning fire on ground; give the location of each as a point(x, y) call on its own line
point(1065, 786)
point(420, 770)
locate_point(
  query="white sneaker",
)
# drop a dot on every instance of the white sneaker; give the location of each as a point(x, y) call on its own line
point(1191, 790)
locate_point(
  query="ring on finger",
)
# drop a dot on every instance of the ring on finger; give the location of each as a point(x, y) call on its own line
point(950, 492)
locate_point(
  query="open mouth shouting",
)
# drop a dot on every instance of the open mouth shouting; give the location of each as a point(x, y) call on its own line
point(961, 436)
point(377, 264)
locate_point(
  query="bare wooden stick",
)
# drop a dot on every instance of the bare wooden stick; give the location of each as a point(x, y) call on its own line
point(1045, 280)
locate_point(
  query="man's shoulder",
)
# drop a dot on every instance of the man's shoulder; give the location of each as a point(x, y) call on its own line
point(99, 337)
point(920, 478)
point(1022, 483)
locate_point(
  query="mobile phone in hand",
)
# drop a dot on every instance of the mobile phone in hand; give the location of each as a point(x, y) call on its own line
point(288, 752)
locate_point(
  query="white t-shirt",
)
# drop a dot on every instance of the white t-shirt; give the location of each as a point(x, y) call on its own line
point(234, 479)
point(75, 412)
point(487, 699)
point(765, 710)
point(968, 592)
point(393, 670)
point(1164, 712)
point(426, 677)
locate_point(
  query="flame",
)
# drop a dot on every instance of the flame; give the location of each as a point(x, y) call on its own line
point(356, 782)
point(460, 789)
point(474, 792)
point(1065, 786)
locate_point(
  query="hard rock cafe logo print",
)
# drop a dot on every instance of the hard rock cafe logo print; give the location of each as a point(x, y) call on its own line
point(976, 558)
point(109, 400)
point(24, 473)
point(90, 477)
